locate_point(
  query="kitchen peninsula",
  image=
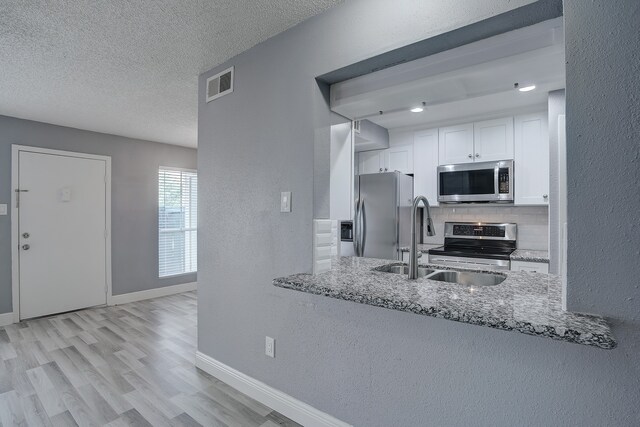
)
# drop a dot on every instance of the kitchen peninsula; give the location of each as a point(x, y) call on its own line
point(529, 303)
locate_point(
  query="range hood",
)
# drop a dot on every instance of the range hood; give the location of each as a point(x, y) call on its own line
point(369, 136)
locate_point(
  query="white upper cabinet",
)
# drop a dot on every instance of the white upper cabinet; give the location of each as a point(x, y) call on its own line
point(399, 158)
point(493, 140)
point(531, 159)
point(396, 158)
point(425, 155)
point(370, 162)
point(477, 142)
point(456, 144)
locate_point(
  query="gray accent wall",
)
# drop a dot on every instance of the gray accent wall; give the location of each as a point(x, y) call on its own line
point(371, 366)
point(603, 164)
point(134, 198)
point(541, 10)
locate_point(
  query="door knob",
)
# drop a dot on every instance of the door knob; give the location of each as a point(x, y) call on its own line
point(25, 235)
point(25, 247)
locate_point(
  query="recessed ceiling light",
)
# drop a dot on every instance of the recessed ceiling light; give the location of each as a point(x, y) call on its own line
point(527, 88)
point(417, 110)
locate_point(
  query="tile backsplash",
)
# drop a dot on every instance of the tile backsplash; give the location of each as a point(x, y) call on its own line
point(533, 222)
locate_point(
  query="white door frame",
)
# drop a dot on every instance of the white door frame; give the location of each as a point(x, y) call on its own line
point(15, 229)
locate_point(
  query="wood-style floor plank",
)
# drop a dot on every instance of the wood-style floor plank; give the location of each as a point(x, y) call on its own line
point(129, 365)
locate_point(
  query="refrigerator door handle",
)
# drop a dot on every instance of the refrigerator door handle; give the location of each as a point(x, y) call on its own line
point(363, 226)
point(356, 232)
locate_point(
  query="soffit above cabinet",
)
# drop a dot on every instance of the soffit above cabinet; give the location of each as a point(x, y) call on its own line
point(470, 80)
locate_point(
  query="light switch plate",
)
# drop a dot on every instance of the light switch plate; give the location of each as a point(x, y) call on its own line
point(270, 347)
point(285, 201)
point(65, 194)
point(3, 209)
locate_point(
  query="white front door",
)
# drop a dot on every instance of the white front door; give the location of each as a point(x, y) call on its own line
point(62, 233)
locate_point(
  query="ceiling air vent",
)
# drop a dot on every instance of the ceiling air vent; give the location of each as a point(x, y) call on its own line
point(220, 84)
point(356, 126)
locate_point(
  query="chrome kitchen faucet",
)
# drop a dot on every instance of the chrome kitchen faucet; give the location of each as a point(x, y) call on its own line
point(413, 250)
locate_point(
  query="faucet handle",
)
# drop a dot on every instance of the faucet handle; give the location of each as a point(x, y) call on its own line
point(430, 229)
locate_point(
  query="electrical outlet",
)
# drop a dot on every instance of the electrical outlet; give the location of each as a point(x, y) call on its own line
point(3, 209)
point(270, 347)
point(285, 201)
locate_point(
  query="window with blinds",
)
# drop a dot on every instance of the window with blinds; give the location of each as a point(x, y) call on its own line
point(178, 221)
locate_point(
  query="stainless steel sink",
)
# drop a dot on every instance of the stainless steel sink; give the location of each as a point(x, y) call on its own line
point(404, 269)
point(467, 278)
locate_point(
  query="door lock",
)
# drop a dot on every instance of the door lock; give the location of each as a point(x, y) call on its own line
point(25, 247)
point(25, 235)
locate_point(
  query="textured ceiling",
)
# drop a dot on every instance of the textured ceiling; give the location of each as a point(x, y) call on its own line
point(127, 67)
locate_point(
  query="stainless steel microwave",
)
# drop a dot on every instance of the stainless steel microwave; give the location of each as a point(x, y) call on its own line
point(480, 182)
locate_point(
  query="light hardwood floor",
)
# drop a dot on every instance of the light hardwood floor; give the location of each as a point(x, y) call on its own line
point(131, 364)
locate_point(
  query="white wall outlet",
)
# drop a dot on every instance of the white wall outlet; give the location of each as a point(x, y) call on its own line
point(285, 201)
point(3, 209)
point(270, 347)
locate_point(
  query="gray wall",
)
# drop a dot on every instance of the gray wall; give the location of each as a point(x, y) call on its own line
point(134, 198)
point(366, 365)
point(603, 156)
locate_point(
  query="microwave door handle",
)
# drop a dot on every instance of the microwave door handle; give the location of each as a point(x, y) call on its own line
point(496, 183)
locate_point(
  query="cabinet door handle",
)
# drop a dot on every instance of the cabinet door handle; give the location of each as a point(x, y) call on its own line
point(470, 156)
point(380, 169)
point(385, 169)
point(477, 154)
point(545, 196)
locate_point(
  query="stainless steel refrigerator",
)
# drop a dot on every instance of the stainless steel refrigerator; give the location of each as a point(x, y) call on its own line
point(382, 220)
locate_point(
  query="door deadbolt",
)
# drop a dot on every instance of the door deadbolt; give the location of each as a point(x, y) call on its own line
point(25, 235)
point(25, 247)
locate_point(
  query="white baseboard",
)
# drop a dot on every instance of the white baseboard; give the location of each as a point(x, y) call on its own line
point(6, 319)
point(152, 293)
point(288, 406)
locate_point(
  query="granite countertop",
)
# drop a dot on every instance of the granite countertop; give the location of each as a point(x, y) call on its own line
point(517, 255)
point(525, 302)
point(530, 256)
point(422, 247)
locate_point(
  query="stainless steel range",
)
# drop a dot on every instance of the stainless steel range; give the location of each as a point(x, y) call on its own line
point(476, 245)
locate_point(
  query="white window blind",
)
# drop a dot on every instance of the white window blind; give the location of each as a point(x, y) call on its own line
point(178, 221)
